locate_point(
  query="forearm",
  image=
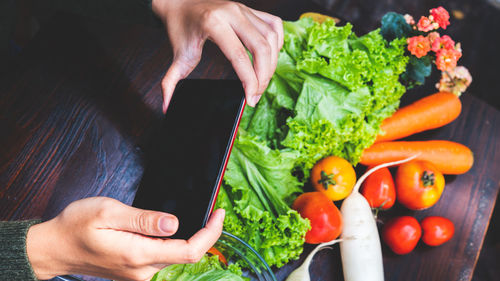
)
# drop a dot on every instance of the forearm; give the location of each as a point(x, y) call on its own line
point(14, 263)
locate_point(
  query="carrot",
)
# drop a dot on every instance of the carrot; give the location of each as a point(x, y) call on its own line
point(427, 113)
point(448, 157)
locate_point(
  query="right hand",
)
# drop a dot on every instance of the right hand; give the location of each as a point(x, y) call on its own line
point(103, 237)
point(232, 26)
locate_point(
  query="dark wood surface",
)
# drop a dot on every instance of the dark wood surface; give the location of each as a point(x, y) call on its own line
point(78, 109)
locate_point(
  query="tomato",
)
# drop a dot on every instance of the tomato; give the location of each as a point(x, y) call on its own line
point(379, 190)
point(419, 184)
point(401, 234)
point(437, 230)
point(333, 176)
point(325, 217)
point(215, 252)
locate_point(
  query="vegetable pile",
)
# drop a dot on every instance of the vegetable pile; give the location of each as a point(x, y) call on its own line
point(329, 95)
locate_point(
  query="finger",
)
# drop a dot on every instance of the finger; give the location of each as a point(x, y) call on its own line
point(260, 49)
point(179, 69)
point(233, 49)
point(275, 22)
point(149, 223)
point(271, 36)
point(173, 251)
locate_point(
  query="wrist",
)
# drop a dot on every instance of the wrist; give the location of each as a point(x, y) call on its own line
point(43, 252)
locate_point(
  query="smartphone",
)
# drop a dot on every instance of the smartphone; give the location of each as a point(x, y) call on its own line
point(187, 163)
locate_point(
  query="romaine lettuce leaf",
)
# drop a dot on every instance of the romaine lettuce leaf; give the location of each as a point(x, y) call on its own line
point(258, 189)
point(208, 268)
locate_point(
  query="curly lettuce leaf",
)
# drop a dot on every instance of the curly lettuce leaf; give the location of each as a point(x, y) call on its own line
point(348, 90)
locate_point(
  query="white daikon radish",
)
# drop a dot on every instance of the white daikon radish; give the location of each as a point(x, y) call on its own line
point(360, 249)
point(301, 273)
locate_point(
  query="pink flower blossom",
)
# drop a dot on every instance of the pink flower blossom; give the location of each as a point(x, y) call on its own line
point(444, 42)
point(433, 36)
point(419, 46)
point(455, 81)
point(440, 16)
point(425, 24)
point(409, 19)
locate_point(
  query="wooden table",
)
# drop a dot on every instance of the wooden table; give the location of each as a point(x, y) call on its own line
point(78, 109)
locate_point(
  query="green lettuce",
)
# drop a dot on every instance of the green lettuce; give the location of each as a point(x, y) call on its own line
point(209, 268)
point(258, 189)
point(328, 96)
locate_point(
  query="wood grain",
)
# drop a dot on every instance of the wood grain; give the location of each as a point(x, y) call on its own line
point(78, 109)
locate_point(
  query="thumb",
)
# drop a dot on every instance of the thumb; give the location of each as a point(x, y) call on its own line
point(149, 223)
point(180, 69)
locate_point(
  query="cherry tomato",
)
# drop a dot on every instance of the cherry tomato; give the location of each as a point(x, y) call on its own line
point(437, 230)
point(215, 252)
point(401, 234)
point(379, 190)
point(419, 184)
point(333, 176)
point(325, 217)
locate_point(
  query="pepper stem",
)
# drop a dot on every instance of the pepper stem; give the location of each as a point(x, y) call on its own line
point(428, 178)
point(326, 180)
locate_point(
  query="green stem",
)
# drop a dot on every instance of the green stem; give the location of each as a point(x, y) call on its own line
point(428, 178)
point(326, 180)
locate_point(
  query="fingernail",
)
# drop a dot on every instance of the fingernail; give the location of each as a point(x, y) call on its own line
point(254, 100)
point(168, 224)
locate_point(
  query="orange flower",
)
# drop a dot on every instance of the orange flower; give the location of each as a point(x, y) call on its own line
point(440, 16)
point(446, 59)
point(419, 46)
point(425, 24)
point(444, 42)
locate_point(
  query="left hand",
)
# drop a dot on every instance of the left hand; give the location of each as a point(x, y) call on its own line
point(232, 26)
point(103, 237)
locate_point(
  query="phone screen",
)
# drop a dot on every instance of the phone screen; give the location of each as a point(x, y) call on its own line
point(191, 150)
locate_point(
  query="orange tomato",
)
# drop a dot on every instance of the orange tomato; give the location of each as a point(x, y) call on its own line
point(333, 176)
point(419, 184)
point(325, 217)
point(215, 252)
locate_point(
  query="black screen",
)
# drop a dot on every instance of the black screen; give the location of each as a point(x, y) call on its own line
point(187, 161)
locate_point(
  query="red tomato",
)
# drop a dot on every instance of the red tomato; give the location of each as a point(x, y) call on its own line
point(437, 230)
point(325, 217)
point(401, 234)
point(379, 190)
point(419, 184)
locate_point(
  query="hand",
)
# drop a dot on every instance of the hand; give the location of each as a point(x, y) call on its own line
point(103, 237)
point(230, 25)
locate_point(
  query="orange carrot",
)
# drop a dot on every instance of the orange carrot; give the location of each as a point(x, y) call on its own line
point(427, 113)
point(448, 157)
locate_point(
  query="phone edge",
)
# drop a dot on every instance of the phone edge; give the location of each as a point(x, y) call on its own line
point(222, 170)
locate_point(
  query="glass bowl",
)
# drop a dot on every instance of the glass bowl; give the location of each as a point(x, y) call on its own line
point(237, 250)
